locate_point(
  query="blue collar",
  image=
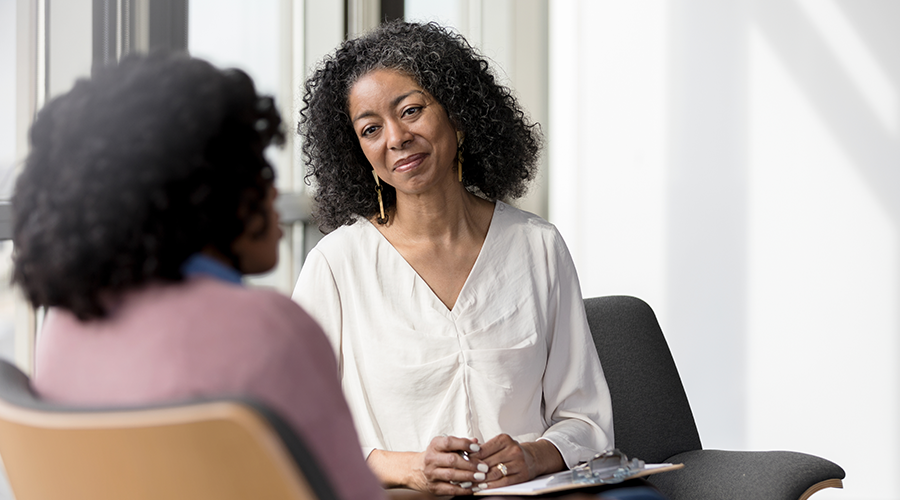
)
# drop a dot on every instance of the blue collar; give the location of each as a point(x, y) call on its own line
point(206, 265)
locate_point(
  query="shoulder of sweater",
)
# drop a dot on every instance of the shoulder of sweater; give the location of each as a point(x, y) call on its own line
point(212, 292)
point(271, 310)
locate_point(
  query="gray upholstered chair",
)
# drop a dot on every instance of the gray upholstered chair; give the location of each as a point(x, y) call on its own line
point(653, 419)
point(228, 448)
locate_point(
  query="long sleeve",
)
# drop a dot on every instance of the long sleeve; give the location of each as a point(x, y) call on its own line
point(577, 403)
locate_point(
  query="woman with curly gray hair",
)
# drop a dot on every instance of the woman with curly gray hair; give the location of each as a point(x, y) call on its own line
point(457, 319)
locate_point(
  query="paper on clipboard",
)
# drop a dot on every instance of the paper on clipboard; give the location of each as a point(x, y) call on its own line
point(541, 485)
point(610, 467)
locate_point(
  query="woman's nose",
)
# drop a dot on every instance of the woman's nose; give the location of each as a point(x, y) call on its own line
point(397, 135)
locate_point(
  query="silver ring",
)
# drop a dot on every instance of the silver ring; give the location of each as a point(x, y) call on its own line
point(503, 469)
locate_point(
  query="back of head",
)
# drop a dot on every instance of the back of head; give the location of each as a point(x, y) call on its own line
point(133, 171)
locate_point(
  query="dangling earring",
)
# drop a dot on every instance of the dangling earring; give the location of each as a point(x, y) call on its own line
point(378, 190)
point(459, 158)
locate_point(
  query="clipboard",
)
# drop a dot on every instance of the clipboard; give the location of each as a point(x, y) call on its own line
point(610, 467)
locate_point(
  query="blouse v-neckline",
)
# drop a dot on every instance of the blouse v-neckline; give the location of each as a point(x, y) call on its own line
point(438, 303)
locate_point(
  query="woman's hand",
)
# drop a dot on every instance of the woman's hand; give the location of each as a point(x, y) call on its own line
point(449, 469)
point(512, 462)
point(442, 469)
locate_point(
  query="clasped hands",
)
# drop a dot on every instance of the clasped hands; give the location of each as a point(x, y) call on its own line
point(461, 466)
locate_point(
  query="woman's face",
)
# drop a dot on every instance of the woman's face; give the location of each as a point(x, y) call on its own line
point(258, 253)
point(404, 132)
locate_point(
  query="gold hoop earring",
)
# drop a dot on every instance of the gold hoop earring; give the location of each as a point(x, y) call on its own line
point(459, 157)
point(378, 190)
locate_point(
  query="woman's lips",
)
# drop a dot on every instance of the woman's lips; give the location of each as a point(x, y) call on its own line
point(410, 162)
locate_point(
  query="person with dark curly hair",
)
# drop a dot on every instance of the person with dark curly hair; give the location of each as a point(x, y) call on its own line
point(145, 198)
point(457, 319)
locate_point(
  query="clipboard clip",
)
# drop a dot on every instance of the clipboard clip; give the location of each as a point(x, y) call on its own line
point(609, 467)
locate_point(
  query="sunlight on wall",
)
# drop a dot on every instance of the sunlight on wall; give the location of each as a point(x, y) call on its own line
point(735, 164)
point(823, 291)
point(858, 62)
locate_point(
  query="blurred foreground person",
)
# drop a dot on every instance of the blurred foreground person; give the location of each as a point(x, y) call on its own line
point(145, 198)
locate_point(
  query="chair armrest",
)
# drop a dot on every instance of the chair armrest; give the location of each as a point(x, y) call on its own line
point(738, 475)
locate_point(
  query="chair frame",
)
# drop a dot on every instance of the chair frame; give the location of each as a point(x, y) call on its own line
point(223, 448)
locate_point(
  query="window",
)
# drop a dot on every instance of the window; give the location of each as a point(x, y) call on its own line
point(7, 159)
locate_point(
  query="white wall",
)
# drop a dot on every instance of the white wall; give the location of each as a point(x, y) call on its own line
point(737, 165)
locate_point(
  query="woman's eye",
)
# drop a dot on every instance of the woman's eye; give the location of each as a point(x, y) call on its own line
point(369, 130)
point(411, 111)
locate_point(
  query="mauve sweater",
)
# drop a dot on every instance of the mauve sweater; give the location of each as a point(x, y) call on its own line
point(206, 337)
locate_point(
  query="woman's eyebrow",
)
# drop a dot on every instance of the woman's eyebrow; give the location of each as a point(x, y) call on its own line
point(397, 100)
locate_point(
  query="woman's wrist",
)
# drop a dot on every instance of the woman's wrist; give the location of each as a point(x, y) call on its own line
point(545, 457)
point(393, 468)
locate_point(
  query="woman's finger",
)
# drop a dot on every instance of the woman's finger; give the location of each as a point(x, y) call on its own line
point(494, 445)
point(509, 462)
point(455, 453)
point(454, 444)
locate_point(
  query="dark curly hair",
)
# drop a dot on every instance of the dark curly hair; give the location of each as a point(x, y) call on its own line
point(133, 171)
point(500, 149)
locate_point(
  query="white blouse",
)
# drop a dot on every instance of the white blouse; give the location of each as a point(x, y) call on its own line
point(513, 356)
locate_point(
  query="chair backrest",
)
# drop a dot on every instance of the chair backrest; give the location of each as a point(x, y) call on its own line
point(651, 415)
point(227, 448)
